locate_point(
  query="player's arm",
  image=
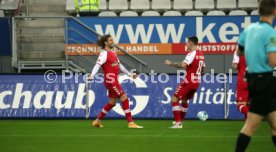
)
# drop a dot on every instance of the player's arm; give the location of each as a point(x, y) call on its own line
point(124, 70)
point(101, 60)
point(272, 59)
point(271, 49)
point(236, 60)
point(176, 64)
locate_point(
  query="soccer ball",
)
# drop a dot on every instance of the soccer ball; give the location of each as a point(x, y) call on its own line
point(202, 115)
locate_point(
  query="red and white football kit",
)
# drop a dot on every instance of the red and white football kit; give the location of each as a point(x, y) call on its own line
point(191, 82)
point(189, 85)
point(242, 86)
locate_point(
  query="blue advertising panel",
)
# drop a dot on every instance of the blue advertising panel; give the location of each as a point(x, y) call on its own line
point(32, 96)
point(158, 35)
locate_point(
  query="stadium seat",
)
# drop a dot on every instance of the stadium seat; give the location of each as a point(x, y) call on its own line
point(103, 5)
point(248, 4)
point(226, 4)
point(216, 13)
point(2, 13)
point(204, 4)
point(183, 4)
point(194, 13)
point(161, 4)
point(255, 12)
point(172, 13)
point(237, 12)
point(150, 13)
point(129, 13)
point(118, 5)
point(107, 14)
point(70, 7)
point(140, 5)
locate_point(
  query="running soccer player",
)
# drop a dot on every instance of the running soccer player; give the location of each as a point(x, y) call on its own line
point(111, 67)
point(242, 88)
point(194, 65)
point(258, 43)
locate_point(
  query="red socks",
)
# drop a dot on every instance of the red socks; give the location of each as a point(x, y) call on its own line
point(243, 109)
point(105, 110)
point(176, 111)
point(126, 108)
point(184, 110)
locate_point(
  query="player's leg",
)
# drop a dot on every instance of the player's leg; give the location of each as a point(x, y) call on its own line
point(126, 108)
point(189, 94)
point(105, 110)
point(242, 100)
point(272, 122)
point(243, 108)
point(184, 108)
point(127, 111)
point(252, 123)
point(176, 110)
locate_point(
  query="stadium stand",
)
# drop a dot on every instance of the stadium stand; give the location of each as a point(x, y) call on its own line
point(226, 4)
point(140, 5)
point(2, 13)
point(129, 13)
point(237, 12)
point(103, 5)
point(216, 13)
point(107, 14)
point(70, 7)
point(161, 5)
point(205, 4)
point(194, 13)
point(118, 5)
point(150, 13)
point(247, 4)
point(172, 13)
point(183, 5)
point(9, 4)
point(254, 12)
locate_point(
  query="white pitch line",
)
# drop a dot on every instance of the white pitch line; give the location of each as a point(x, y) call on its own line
point(154, 136)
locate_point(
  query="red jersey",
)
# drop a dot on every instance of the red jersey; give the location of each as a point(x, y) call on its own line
point(196, 64)
point(110, 65)
point(240, 60)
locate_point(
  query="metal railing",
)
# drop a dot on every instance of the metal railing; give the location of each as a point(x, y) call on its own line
point(16, 51)
point(140, 62)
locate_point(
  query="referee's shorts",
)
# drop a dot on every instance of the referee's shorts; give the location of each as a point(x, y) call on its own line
point(262, 93)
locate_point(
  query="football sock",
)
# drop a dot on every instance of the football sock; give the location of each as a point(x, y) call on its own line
point(105, 110)
point(176, 111)
point(274, 140)
point(184, 110)
point(243, 109)
point(126, 108)
point(242, 142)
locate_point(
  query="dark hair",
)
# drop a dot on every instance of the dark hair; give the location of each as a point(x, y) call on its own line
point(266, 7)
point(193, 39)
point(102, 40)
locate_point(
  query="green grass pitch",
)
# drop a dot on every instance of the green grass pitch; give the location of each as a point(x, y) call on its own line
point(80, 136)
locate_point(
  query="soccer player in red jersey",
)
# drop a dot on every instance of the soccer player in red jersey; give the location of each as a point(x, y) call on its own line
point(194, 65)
point(111, 67)
point(242, 87)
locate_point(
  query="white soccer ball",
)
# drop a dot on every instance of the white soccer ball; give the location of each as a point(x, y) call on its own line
point(202, 115)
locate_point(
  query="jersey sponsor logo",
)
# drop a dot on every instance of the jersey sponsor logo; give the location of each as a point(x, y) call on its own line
point(273, 41)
